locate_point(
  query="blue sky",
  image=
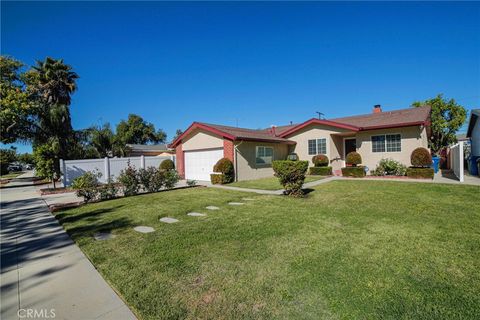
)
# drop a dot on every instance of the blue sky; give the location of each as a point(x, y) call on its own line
point(255, 63)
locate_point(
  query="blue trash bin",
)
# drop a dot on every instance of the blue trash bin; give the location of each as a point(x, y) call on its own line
point(472, 165)
point(435, 163)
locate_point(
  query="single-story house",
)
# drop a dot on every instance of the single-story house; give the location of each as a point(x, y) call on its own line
point(473, 132)
point(378, 135)
point(136, 150)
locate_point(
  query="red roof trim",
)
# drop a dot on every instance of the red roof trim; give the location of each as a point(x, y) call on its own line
point(266, 140)
point(319, 121)
point(197, 125)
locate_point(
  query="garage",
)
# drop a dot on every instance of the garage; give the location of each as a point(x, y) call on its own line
point(199, 164)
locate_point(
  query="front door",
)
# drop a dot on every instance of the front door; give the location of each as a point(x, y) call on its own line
point(350, 145)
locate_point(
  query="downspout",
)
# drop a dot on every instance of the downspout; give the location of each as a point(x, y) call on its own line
point(235, 159)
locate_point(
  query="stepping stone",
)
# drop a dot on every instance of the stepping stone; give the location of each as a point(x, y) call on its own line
point(168, 220)
point(248, 199)
point(236, 203)
point(212, 208)
point(99, 236)
point(144, 229)
point(196, 214)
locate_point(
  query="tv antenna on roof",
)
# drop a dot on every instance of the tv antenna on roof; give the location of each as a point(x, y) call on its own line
point(320, 115)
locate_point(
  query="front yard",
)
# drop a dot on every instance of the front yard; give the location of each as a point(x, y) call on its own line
point(352, 249)
point(270, 183)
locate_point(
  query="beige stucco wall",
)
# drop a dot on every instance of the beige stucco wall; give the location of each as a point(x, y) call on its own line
point(200, 139)
point(246, 167)
point(412, 137)
point(334, 143)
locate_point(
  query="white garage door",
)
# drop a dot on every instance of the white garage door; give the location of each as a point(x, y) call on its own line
point(199, 164)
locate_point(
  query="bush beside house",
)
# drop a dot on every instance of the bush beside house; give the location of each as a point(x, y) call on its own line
point(389, 167)
point(353, 159)
point(421, 160)
point(224, 172)
point(321, 167)
point(291, 175)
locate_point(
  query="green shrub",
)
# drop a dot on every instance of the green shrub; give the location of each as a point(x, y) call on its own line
point(389, 167)
point(320, 160)
point(353, 159)
point(421, 157)
point(170, 178)
point(6, 157)
point(217, 178)
point(321, 171)
point(151, 179)
point(128, 178)
point(86, 185)
point(167, 165)
point(291, 175)
point(108, 191)
point(420, 173)
point(356, 172)
point(225, 166)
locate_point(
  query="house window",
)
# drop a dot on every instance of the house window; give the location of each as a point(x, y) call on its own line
point(317, 146)
point(394, 143)
point(388, 143)
point(264, 155)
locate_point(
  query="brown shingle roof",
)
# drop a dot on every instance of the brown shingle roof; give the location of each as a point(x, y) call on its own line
point(396, 118)
point(248, 134)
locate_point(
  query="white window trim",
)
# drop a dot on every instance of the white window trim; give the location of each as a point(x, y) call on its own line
point(256, 153)
point(385, 135)
point(327, 147)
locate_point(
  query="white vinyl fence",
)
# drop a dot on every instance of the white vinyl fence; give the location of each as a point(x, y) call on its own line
point(108, 167)
point(456, 152)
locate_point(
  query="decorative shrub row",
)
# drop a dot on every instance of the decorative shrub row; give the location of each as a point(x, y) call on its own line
point(420, 173)
point(291, 175)
point(321, 171)
point(356, 172)
point(130, 181)
point(389, 167)
point(320, 160)
point(224, 172)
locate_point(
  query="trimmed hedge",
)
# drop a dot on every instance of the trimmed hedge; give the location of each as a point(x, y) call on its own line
point(421, 157)
point(217, 178)
point(320, 160)
point(167, 165)
point(353, 158)
point(225, 166)
point(356, 172)
point(291, 175)
point(321, 171)
point(420, 173)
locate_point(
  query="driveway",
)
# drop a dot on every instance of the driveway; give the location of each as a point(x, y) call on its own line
point(43, 270)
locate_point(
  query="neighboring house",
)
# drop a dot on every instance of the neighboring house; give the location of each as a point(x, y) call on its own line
point(392, 134)
point(136, 150)
point(473, 132)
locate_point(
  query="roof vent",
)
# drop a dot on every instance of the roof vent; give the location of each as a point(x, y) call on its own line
point(377, 108)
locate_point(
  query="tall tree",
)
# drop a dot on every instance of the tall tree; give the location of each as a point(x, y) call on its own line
point(446, 118)
point(178, 133)
point(138, 131)
point(18, 113)
point(102, 139)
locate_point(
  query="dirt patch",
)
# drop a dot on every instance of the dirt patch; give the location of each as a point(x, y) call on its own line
point(62, 206)
point(61, 190)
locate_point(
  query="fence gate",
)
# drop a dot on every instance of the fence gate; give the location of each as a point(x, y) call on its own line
point(456, 154)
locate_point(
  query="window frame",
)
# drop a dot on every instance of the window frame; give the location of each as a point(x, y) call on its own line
point(257, 157)
point(385, 142)
point(316, 146)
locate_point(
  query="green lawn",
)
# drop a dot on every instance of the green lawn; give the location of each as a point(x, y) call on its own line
point(11, 175)
point(267, 183)
point(350, 250)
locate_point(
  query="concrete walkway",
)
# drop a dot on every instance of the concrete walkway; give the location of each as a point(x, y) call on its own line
point(42, 268)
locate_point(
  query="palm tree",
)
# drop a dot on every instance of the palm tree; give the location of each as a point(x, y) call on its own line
point(56, 81)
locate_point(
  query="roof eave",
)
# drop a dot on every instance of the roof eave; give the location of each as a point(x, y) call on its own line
point(197, 125)
point(397, 125)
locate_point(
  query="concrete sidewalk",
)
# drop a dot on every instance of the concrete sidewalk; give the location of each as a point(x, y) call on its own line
point(43, 269)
